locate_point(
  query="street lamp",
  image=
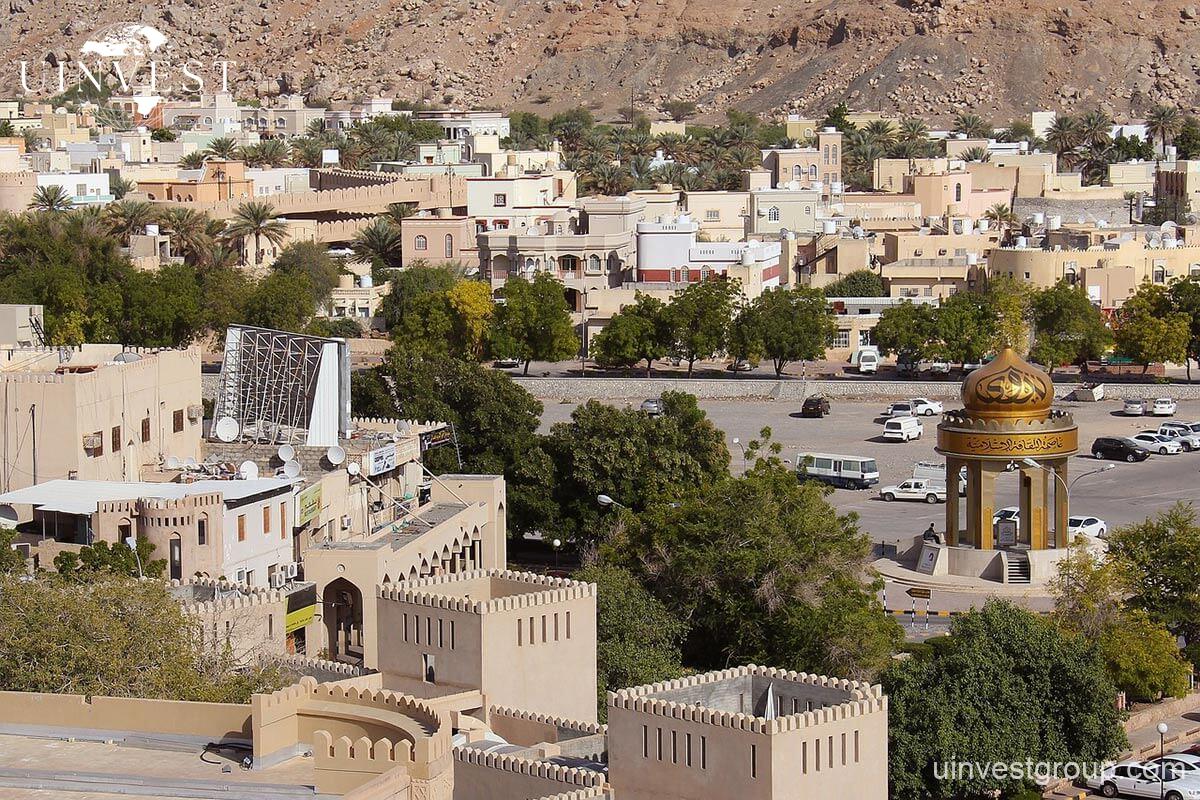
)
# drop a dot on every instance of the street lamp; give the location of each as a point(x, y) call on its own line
point(131, 543)
point(557, 543)
point(741, 447)
point(606, 501)
point(1162, 771)
point(1029, 462)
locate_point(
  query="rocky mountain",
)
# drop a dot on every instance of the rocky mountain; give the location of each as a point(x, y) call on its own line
point(931, 57)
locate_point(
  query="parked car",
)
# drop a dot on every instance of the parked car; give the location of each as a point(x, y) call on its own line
point(1087, 526)
point(915, 489)
point(1186, 763)
point(1183, 433)
point(1163, 407)
point(939, 367)
point(816, 406)
point(741, 365)
point(868, 362)
point(924, 407)
point(1134, 408)
point(653, 406)
point(1007, 513)
point(1157, 443)
point(907, 369)
point(903, 429)
point(508, 363)
point(904, 409)
point(849, 472)
point(1120, 449)
point(1135, 779)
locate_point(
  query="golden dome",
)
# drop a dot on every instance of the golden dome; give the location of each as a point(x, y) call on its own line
point(1008, 387)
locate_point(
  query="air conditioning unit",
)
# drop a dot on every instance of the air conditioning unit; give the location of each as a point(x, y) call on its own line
point(195, 413)
point(291, 570)
point(278, 580)
point(239, 576)
point(345, 522)
point(92, 441)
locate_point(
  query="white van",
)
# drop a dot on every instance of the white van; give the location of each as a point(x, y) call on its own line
point(849, 472)
point(903, 429)
point(868, 362)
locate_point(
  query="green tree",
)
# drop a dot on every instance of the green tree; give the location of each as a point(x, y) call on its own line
point(495, 423)
point(162, 308)
point(1009, 300)
point(52, 199)
point(1187, 141)
point(637, 639)
point(378, 243)
point(1144, 659)
point(533, 323)
point(163, 135)
point(763, 570)
point(11, 561)
point(224, 291)
point(1005, 686)
point(679, 110)
point(628, 455)
point(1149, 329)
point(1185, 298)
point(311, 260)
point(222, 148)
point(965, 323)
point(838, 117)
point(6, 129)
point(1067, 328)
point(792, 325)
point(256, 218)
point(699, 315)
point(282, 301)
point(860, 283)
point(103, 559)
point(1163, 122)
point(973, 125)
point(1159, 559)
point(906, 329)
point(641, 331)
point(117, 637)
point(408, 286)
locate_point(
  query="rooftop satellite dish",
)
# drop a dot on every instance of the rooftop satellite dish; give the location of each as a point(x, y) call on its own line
point(286, 452)
point(248, 470)
point(292, 469)
point(1168, 227)
point(172, 462)
point(403, 427)
point(8, 516)
point(127, 357)
point(336, 455)
point(227, 429)
point(353, 468)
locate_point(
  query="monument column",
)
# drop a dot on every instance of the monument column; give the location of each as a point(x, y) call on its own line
point(1061, 503)
point(952, 467)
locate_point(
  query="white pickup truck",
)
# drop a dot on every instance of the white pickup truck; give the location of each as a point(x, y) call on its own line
point(916, 489)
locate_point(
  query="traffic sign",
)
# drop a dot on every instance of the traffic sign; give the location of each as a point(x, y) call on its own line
point(916, 592)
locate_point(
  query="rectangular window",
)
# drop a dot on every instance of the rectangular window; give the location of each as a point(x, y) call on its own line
point(712, 215)
point(451, 634)
point(831, 752)
point(500, 200)
point(817, 753)
point(270, 626)
point(856, 747)
point(283, 520)
point(659, 743)
point(841, 339)
point(520, 633)
point(441, 635)
point(145, 430)
point(429, 630)
point(266, 519)
point(427, 669)
point(241, 527)
point(687, 749)
point(416, 629)
point(406, 627)
point(843, 749)
point(544, 639)
point(556, 627)
point(645, 742)
point(568, 624)
point(674, 747)
point(116, 438)
point(804, 758)
point(753, 761)
point(178, 421)
point(532, 632)
point(202, 532)
point(703, 752)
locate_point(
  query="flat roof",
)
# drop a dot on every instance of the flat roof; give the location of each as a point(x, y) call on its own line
point(82, 497)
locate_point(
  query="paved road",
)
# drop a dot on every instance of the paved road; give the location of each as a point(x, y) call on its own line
point(1127, 494)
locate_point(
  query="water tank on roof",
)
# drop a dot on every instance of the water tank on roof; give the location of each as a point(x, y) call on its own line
point(972, 259)
point(152, 229)
point(1022, 241)
point(828, 226)
point(1054, 223)
point(829, 129)
point(1039, 218)
point(983, 225)
point(366, 281)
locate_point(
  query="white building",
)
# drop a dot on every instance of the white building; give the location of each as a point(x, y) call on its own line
point(461, 124)
point(84, 188)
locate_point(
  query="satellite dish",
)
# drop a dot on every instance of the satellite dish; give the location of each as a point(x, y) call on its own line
point(1168, 227)
point(8, 516)
point(403, 427)
point(172, 462)
point(248, 470)
point(127, 357)
point(286, 452)
point(227, 429)
point(353, 468)
point(190, 463)
point(292, 469)
point(336, 455)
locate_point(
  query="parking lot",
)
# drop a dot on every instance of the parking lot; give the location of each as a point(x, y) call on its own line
point(1129, 493)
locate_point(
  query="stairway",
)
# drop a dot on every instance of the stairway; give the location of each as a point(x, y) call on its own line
point(1018, 567)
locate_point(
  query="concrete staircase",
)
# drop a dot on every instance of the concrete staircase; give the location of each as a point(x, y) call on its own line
point(1017, 568)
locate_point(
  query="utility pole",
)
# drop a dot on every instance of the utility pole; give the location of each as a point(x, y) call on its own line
point(33, 426)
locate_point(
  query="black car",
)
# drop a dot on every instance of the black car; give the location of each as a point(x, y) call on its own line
point(815, 407)
point(1120, 449)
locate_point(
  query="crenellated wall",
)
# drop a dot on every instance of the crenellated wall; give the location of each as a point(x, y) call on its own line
point(529, 728)
point(479, 775)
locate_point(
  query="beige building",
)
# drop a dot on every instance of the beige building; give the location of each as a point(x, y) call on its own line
point(438, 238)
point(721, 215)
point(927, 243)
point(788, 206)
point(97, 412)
point(21, 325)
point(810, 167)
point(211, 183)
point(512, 636)
point(287, 118)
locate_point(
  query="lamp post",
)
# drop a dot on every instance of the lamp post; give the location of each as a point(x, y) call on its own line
point(1029, 462)
point(741, 447)
point(1162, 771)
point(131, 543)
point(606, 501)
point(557, 543)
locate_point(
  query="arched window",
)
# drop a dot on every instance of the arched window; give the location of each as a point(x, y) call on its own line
point(449, 252)
point(530, 264)
point(958, 192)
point(797, 171)
point(420, 243)
point(773, 214)
point(1069, 276)
point(812, 170)
point(593, 263)
point(1160, 275)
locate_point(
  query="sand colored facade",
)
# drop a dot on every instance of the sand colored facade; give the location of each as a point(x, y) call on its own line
point(512, 636)
point(95, 418)
point(810, 166)
point(212, 183)
point(438, 239)
point(721, 215)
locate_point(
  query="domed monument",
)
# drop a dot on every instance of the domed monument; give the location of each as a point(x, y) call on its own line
point(1007, 424)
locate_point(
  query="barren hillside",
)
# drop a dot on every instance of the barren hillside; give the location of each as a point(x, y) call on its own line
point(931, 57)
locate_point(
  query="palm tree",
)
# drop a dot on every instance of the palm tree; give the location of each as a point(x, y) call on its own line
point(192, 160)
point(378, 243)
point(129, 217)
point(881, 132)
point(315, 128)
point(86, 222)
point(1002, 217)
point(1094, 159)
point(979, 154)
point(306, 152)
point(972, 125)
point(399, 211)
point(608, 179)
point(1163, 122)
point(1063, 136)
point(273, 152)
point(249, 155)
point(32, 142)
point(913, 129)
point(256, 218)
point(222, 147)
point(188, 229)
point(6, 129)
point(120, 187)
point(1096, 128)
point(52, 198)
